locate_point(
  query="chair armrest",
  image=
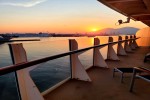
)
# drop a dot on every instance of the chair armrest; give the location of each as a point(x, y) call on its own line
point(142, 69)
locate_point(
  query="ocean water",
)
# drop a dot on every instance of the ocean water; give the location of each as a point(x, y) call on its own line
point(52, 72)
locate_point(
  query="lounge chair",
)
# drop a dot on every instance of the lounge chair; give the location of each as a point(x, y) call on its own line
point(147, 57)
point(145, 76)
point(122, 71)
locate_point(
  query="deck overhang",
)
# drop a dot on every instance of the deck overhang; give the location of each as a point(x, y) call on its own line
point(138, 10)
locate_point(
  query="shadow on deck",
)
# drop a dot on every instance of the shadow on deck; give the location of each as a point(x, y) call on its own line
point(104, 86)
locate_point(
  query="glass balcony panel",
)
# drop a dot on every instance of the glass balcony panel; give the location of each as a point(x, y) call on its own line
point(8, 87)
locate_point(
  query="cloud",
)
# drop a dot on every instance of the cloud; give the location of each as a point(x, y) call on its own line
point(24, 4)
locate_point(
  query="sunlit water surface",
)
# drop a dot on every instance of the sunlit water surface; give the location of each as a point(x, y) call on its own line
point(52, 72)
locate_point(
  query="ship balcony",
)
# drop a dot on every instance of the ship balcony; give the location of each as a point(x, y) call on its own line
point(104, 86)
point(95, 82)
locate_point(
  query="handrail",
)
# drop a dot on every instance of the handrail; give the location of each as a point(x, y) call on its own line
point(12, 68)
point(143, 69)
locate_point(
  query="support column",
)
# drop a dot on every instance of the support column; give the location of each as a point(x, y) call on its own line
point(98, 59)
point(134, 42)
point(111, 55)
point(120, 49)
point(28, 89)
point(131, 43)
point(126, 45)
point(77, 69)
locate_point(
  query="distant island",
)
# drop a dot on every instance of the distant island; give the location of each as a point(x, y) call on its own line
point(119, 31)
point(102, 32)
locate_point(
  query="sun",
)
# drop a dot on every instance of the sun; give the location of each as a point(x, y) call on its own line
point(94, 29)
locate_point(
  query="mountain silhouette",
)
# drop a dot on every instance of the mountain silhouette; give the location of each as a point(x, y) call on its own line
point(119, 31)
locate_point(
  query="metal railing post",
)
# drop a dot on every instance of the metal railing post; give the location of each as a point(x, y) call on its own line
point(131, 43)
point(126, 45)
point(98, 59)
point(134, 42)
point(77, 69)
point(27, 88)
point(16, 77)
point(120, 49)
point(111, 55)
point(70, 58)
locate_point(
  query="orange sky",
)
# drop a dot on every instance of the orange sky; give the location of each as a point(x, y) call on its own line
point(59, 17)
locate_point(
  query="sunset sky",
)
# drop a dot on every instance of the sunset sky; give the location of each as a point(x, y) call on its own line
point(59, 16)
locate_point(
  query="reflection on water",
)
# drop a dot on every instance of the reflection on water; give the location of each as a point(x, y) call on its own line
point(8, 89)
point(49, 73)
point(5, 58)
point(43, 49)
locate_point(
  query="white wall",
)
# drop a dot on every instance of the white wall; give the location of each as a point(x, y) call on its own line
point(145, 37)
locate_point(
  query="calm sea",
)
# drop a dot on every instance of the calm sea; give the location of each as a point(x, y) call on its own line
point(50, 73)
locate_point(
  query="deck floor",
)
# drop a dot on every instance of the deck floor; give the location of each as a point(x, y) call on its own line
point(104, 86)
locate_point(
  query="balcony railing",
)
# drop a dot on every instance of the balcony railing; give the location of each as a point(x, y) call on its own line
point(27, 89)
